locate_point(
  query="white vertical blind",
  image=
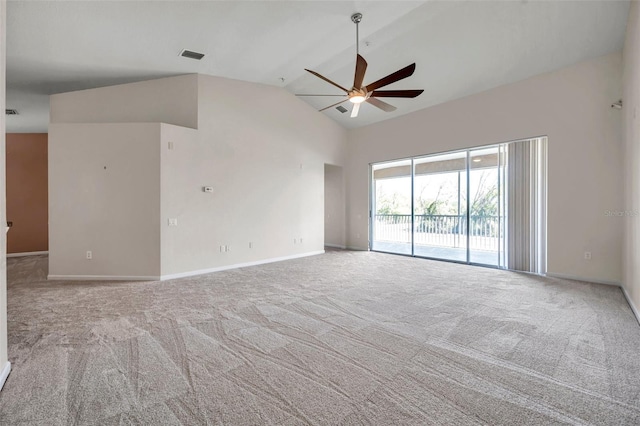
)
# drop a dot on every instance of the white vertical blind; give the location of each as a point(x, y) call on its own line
point(502, 204)
point(527, 205)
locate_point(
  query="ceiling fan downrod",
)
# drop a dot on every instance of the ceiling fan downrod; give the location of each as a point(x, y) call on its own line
point(356, 18)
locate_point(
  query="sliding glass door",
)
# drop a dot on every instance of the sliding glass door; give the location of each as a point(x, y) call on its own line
point(486, 233)
point(444, 206)
point(461, 206)
point(439, 206)
point(391, 208)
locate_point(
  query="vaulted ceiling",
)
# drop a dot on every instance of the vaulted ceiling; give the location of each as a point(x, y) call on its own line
point(460, 48)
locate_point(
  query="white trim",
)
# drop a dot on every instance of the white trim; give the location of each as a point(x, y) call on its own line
point(635, 310)
point(238, 265)
point(357, 248)
point(338, 246)
point(29, 253)
point(631, 305)
point(587, 280)
point(4, 374)
point(104, 277)
point(178, 275)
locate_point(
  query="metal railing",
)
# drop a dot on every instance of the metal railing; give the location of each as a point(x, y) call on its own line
point(439, 230)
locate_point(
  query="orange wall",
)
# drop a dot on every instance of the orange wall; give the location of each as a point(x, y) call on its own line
point(27, 192)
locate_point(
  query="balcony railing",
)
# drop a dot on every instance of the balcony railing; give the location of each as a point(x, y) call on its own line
point(439, 230)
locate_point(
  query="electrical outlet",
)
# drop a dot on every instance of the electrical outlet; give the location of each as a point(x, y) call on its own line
point(300, 240)
point(587, 255)
point(89, 255)
point(250, 244)
point(173, 221)
point(222, 249)
point(170, 145)
point(227, 248)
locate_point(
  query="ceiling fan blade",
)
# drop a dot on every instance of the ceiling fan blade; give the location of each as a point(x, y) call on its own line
point(392, 78)
point(396, 93)
point(336, 104)
point(381, 104)
point(361, 68)
point(354, 111)
point(298, 94)
point(327, 80)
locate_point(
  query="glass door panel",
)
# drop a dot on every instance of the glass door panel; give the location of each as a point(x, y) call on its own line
point(439, 206)
point(485, 213)
point(391, 219)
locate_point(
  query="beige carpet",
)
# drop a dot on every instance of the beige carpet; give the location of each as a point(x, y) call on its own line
point(342, 338)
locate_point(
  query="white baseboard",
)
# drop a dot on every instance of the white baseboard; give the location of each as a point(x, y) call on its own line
point(4, 374)
point(631, 304)
point(178, 275)
point(583, 279)
point(357, 248)
point(238, 265)
point(633, 307)
point(30, 253)
point(338, 246)
point(103, 277)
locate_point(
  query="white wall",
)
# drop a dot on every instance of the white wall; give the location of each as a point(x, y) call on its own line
point(172, 100)
point(631, 134)
point(3, 205)
point(334, 209)
point(104, 196)
point(572, 107)
point(179, 191)
point(263, 151)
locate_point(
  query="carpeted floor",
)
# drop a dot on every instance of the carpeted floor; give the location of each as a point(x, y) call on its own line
point(342, 338)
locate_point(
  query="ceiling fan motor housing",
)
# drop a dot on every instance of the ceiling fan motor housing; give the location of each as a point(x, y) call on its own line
point(357, 95)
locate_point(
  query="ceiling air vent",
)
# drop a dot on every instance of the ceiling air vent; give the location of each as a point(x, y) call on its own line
point(341, 109)
point(11, 111)
point(191, 54)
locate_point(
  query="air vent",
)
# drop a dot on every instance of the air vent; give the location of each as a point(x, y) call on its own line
point(341, 109)
point(191, 54)
point(11, 111)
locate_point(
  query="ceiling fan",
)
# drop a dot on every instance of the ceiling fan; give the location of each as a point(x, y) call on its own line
point(360, 93)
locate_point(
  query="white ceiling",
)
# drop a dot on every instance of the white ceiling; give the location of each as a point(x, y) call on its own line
point(460, 48)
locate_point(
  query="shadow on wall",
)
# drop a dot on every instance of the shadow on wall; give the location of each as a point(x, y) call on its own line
point(334, 207)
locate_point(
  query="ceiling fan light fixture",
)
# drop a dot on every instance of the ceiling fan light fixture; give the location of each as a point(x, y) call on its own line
point(357, 99)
